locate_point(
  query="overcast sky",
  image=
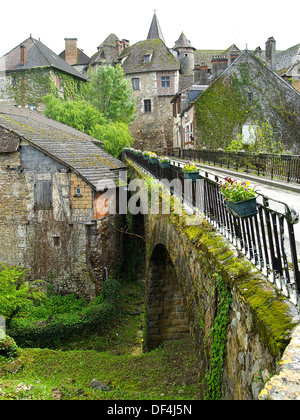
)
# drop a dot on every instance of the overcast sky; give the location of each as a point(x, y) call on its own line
point(214, 24)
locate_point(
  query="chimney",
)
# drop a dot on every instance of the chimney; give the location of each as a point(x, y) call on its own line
point(22, 55)
point(271, 53)
point(219, 63)
point(71, 51)
point(201, 73)
point(119, 47)
point(126, 43)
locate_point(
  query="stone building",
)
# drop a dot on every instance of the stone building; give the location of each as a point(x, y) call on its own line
point(248, 97)
point(31, 70)
point(55, 218)
point(153, 72)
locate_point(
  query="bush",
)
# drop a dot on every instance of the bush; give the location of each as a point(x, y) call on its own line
point(62, 327)
point(8, 348)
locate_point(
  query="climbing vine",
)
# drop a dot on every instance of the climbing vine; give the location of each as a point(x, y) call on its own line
point(214, 376)
point(245, 95)
point(30, 86)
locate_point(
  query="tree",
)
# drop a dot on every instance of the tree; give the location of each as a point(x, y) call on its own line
point(115, 137)
point(15, 292)
point(78, 114)
point(86, 118)
point(111, 94)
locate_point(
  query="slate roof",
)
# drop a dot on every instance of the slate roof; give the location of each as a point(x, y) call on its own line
point(287, 59)
point(155, 29)
point(183, 42)
point(71, 147)
point(82, 58)
point(37, 55)
point(162, 59)
point(9, 142)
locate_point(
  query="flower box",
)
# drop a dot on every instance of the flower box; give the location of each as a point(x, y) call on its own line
point(191, 175)
point(243, 209)
point(164, 164)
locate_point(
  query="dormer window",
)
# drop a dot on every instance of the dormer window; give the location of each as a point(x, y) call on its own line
point(147, 57)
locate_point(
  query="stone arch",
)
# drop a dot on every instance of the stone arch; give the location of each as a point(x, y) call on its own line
point(166, 317)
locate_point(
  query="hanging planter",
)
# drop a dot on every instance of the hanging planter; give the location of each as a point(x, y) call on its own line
point(190, 171)
point(164, 162)
point(146, 155)
point(191, 175)
point(153, 158)
point(240, 198)
point(243, 209)
point(164, 165)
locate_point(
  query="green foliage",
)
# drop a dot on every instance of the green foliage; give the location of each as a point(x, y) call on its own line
point(15, 292)
point(111, 94)
point(86, 118)
point(236, 191)
point(114, 135)
point(214, 376)
point(61, 318)
point(219, 110)
point(8, 348)
point(78, 114)
point(111, 290)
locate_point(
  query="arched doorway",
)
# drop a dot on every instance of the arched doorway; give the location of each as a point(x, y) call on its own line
point(166, 317)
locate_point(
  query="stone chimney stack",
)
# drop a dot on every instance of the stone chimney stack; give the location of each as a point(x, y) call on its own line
point(22, 55)
point(121, 45)
point(201, 73)
point(219, 63)
point(271, 53)
point(71, 51)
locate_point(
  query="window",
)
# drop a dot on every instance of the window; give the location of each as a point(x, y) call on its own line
point(56, 240)
point(250, 97)
point(147, 105)
point(135, 83)
point(43, 195)
point(15, 80)
point(147, 58)
point(77, 192)
point(165, 81)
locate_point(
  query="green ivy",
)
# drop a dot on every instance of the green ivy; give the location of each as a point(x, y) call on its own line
point(214, 376)
point(32, 85)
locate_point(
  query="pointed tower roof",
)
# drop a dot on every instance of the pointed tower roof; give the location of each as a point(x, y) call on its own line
point(155, 30)
point(183, 42)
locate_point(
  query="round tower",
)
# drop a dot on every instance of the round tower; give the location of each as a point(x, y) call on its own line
point(186, 55)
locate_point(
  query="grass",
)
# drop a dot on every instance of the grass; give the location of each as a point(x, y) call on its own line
point(116, 359)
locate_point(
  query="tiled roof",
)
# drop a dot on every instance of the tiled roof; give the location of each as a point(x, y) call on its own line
point(183, 42)
point(82, 58)
point(9, 142)
point(161, 57)
point(288, 58)
point(63, 143)
point(37, 55)
point(155, 30)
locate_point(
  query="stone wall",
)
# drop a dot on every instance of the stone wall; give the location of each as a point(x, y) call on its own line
point(152, 130)
point(62, 243)
point(260, 320)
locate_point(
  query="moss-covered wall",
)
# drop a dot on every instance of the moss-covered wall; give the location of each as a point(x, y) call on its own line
point(248, 92)
point(28, 87)
point(239, 324)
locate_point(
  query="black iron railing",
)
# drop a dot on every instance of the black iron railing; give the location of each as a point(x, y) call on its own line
point(286, 167)
point(266, 239)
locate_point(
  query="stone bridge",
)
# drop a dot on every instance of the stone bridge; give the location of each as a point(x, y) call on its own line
point(198, 285)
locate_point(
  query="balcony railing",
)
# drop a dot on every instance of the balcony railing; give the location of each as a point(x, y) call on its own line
point(266, 239)
point(274, 166)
